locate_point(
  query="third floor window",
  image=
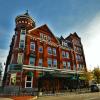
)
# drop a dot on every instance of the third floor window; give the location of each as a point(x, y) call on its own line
point(32, 46)
point(49, 50)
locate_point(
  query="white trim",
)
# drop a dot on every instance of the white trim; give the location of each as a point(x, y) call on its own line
point(50, 69)
point(29, 81)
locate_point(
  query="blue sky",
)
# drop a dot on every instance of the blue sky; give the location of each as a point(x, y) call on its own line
point(62, 17)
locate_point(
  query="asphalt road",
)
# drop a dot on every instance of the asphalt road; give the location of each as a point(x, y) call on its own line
point(85, 96)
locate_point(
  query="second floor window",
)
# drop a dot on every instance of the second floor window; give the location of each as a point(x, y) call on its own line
point(40, 62)
point(63, 53)
point(32, 46)
point(64, 64)
point(49, 62)
point(67, 55)
point(49, 50)
point(68, 65)
point(32, 60)
point(55, 63)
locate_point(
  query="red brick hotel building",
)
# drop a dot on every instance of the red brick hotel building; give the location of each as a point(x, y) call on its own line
point(38, 60)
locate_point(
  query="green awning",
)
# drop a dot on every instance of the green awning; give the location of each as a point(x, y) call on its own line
point(30, 74)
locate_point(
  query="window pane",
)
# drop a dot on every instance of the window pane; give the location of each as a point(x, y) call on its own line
point(68, 65)
point(23, 31)
point(64, 64)
point(41, 49)
point(49, 62)
point(32, 46)
point(63, 53)
point(29, 78)
point(32, 60)
point(55, 63)
point(67, 55)
point(21, 45)
point(54, 51)
point(40, 62)
point(49, 50)
point(28, 84)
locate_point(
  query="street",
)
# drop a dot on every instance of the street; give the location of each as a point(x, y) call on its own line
point(85, 96)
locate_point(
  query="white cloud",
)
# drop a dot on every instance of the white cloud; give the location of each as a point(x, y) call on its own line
point(3, 56)
point(91, 42)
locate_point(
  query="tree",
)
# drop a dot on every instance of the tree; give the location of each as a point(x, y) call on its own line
point(96, 73)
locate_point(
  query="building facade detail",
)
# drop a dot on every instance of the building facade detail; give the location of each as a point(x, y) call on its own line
point(39, 59)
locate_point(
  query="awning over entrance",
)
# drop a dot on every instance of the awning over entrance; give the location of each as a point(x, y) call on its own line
point(30, 74)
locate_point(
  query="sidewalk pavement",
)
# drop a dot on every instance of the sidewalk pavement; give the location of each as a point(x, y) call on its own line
point(1, 98)
point(19, 98)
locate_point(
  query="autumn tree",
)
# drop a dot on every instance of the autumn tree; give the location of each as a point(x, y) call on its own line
point(96, 73)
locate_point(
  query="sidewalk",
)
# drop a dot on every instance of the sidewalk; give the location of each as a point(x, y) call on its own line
point(19, 98)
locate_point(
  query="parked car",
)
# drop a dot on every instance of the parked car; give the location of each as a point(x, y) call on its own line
point(95, 87)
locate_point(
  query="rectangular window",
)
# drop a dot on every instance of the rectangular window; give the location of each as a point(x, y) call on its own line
point(32, 46)
point(54, 51)
point(28, 82)
point(20, 58)
point(23, 31)
point(32, 60)
point(40, 62)
point(64, 64)
point(63, 53)
point(41, 35)
point(67, 55)
point(74, 67)
point(68, 65)
point(41, 49)
point(49, 50)
point(49, 39)
point(49, 62)
point(22, 44)
point(55, 63)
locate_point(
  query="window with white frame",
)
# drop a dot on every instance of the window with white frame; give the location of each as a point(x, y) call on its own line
point(28, 82)
point(49, 50)
point(32, 60)
point(41, 49)
point(40, 62)
point(54, 62)
point(68, 65)
point(49, 62)
point(20, 58)
point(32, 46)
point(54, 51)
point(64, 64)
